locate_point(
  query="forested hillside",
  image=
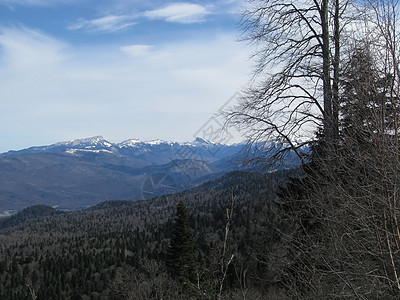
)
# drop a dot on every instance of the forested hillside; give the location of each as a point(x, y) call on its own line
point(325, 70)
point(118, 249)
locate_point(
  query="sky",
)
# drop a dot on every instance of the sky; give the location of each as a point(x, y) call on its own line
point(123, 69)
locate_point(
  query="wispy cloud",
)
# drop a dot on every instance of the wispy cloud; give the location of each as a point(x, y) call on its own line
point(180, 13)
point(51, 89)
point(137, 50)
point(27, 48)
point(185, 13)
point(108, 23)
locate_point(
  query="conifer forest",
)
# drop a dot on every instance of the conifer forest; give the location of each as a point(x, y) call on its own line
point(328, 70)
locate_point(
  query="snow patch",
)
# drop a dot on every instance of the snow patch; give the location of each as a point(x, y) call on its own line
point(129, 143)
point(91, 140)
point(155, 142)
point(75, 151)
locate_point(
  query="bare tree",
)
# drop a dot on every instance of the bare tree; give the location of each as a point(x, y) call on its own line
point(344, 234)
point(150, 281)
point(225, 261)
point(295, 85)
point(32, 292)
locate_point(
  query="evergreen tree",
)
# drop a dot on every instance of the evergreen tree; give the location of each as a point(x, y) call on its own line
point(348, 200)
point(366, 105)
point(182, 252)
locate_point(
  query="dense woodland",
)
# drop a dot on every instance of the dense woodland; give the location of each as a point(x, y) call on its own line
point(329, 230)
point(118, 249)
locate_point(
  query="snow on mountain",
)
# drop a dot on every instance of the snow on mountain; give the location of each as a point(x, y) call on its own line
point(81, 172)
point(85, 171)
point(77, 151)
point(152, 152)
point(91, 142)
point(202, 142)
point(99, 141)
point(155, 142)
point(129, 143)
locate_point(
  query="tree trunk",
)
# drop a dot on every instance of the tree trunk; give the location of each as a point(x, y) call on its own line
point(326, 74)
point(336, 74)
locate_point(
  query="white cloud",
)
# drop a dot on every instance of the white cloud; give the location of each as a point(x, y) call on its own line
point(107, 23)
point(185, 13)
point(137, 50)
point(180, 13)
point(52, 91)
point(27, 48)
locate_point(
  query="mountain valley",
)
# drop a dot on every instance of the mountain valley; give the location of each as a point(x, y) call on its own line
point(81, 173)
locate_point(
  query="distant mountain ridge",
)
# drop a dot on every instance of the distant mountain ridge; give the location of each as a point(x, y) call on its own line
point(200, 146)
point(84, 172)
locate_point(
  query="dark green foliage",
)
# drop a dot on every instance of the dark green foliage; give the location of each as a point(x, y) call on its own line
point(182, 253)
point(78, 255)
point(29, 213)
point(366, 106)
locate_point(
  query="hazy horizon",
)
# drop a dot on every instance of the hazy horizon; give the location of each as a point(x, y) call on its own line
point(121, 69)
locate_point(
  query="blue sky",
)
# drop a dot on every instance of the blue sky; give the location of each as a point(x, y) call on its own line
point(118, 68)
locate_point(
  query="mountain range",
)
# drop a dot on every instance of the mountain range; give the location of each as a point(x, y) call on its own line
point(81, 173)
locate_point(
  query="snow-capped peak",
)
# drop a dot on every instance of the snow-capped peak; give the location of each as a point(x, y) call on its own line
point(90, 142)
point(155, 142)
point(138, 143)
point(201, 142)
point(129, 143)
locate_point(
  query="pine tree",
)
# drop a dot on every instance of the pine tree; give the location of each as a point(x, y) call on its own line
point(348, 202)
point(182, 252)
point(366, 107)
